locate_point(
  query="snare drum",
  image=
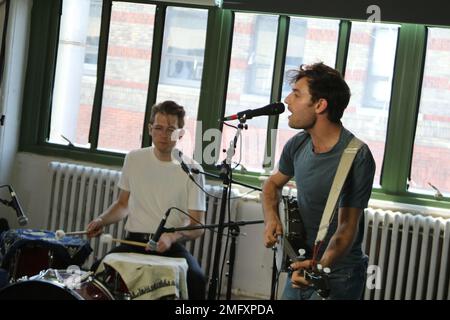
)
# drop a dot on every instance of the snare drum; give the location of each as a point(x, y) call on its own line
point(27, 251)
point(53, 284)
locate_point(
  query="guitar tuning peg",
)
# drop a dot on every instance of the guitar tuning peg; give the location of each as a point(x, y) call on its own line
point(319, 267)
point(301, 252)
point(326, 270)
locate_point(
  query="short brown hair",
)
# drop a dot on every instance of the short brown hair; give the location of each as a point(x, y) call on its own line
point(168, 107)
point(326, 83)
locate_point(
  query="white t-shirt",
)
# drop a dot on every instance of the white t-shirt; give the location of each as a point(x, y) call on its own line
point(155, 186)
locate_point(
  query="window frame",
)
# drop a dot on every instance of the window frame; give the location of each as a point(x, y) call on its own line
point(403, 111)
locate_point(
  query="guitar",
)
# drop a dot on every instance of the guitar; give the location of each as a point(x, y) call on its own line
point(292, 239)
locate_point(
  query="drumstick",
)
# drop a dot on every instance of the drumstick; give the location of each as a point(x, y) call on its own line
point(107, 238)
point(75, 233)
point(59, 234)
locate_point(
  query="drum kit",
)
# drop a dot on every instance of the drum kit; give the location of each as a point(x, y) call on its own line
point(46, 265)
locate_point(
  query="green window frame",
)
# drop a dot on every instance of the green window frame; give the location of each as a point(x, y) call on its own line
point(408, 71)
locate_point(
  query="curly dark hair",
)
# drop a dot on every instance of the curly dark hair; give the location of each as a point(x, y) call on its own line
point(168, 107)
point(324, 83)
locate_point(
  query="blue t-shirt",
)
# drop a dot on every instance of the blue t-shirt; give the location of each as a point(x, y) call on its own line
point(314, 174)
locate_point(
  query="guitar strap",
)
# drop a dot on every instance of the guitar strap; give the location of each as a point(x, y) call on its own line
point(341, 175)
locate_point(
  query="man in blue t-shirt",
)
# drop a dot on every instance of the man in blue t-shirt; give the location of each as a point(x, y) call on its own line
point(317, 102)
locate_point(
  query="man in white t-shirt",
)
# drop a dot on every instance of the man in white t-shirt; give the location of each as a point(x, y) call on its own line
point(152, 182)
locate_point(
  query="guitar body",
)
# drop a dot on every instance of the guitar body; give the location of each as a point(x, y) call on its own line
point(293, 239)
point(294, 236)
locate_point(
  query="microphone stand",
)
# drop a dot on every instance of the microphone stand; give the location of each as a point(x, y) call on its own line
point(234, 227)
point(225, 173)
point(225, 176)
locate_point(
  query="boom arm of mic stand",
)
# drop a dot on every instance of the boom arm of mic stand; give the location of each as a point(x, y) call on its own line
point(234, 228)
point(232, 181)
point(215, 225)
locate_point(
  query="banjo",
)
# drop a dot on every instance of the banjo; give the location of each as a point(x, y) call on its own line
point(293, 238)
point(291, 247)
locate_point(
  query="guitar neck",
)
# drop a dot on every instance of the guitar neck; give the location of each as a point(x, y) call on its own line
point(289, 250)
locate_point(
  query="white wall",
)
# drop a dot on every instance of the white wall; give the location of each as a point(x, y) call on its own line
point(11, 90)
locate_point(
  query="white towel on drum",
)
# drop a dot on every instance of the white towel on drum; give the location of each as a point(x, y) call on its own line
point(149, 277)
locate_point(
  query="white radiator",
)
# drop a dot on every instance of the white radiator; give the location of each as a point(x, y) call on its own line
point(81, 193)
point(78, 195)
point(408, 254)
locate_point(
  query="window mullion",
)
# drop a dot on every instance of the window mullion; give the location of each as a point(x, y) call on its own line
point(101, 67)
point(277, 87)
point(404, 108)
point(215, 74)
point(155, 66)
point(345, 28)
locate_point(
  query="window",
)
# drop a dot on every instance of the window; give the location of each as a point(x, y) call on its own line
point(430, 162)
point(126, 76)
point(126, 86)
point(369, 73)
point(184, 47)
point(182, 66)
point(377, 90)
point(310, 40)
point(75, 76)
point(249, 83)
point(260, 55)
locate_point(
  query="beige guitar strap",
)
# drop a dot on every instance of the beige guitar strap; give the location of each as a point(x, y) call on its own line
point(341, 174)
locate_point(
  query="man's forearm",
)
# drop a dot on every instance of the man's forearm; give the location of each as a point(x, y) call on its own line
point(113, 214)
point(270, 201)
point(338, 247)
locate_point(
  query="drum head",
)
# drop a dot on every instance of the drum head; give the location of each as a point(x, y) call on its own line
point(37, 290)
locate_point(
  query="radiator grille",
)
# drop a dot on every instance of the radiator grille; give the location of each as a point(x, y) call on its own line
point(410, 254)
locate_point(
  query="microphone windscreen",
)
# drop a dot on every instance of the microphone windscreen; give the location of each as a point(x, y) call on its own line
point(269, 110)
point(59, 234)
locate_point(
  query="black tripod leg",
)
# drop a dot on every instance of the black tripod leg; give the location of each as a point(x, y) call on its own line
point(231, 264)
point(274, 277)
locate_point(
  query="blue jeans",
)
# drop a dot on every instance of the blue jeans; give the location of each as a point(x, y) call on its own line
point(346, 283)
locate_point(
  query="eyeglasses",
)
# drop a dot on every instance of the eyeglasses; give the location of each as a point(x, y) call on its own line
point(161, 130)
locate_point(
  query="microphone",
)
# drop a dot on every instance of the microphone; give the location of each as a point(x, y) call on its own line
point(154, 240)
point(184, 166)
point(269, 110)
point(14, 203)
